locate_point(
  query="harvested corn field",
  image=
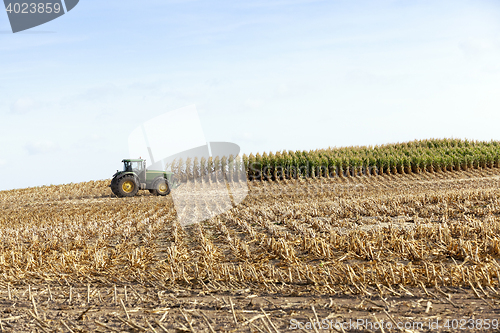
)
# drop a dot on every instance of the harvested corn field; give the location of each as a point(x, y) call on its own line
point(312, 254)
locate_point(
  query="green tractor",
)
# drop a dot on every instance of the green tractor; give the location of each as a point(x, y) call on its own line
point(135, 177)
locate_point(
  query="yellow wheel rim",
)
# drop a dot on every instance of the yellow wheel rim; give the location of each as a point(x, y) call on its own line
point(128, 186)
point(162, 188)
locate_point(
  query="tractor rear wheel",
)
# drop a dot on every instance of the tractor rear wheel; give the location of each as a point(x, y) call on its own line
point(126, 186)
point(160, 187)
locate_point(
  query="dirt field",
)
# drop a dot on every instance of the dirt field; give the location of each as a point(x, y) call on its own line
point(417, 251)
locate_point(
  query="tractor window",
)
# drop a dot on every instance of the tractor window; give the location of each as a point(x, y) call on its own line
point(137, 166)
point(132, 166)
point(127, 166)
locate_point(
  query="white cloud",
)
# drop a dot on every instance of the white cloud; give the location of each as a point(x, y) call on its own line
point(475, 48)
point(254, 103)
point(291, 89)
point(98, 94)
point(2, 162)
point(24, 105)
point(41, 147)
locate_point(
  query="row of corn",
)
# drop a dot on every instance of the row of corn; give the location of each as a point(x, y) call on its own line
point(410, 157)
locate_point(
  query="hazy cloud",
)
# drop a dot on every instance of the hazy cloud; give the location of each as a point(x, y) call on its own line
point(253, 103)
point(290, 89)
point(491, 69)
point(41, 147)
point(474, 48)
point(25, 105)
point(144, 85)
point(93, 142)
point(214, 82)
point(248, 138)
point(361, 76)
point(275, 3)
point(99, 94)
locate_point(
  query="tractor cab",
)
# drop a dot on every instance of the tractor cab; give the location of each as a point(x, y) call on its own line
point(137, 166)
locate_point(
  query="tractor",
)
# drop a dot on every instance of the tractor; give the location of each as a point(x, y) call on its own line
point(135, 177)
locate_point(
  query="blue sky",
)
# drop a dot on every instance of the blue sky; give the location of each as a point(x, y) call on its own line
point(267, 75)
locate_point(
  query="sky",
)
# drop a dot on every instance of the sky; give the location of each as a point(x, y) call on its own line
point(268, 75)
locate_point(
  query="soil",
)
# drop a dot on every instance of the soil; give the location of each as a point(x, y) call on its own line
point(140, 309)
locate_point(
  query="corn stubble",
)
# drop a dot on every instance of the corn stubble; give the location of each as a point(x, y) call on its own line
point(78, 247)
point(315, 235)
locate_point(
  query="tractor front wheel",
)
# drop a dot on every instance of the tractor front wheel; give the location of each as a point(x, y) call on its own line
point(160, 187)
point(126, 186)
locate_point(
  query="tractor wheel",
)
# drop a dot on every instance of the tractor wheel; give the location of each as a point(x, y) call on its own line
point(160, 187)
point(114, 187)
point(126, 186)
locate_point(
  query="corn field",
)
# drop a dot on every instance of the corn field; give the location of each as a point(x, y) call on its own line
point(422, 235)
point(74, 257)
point(403, 158)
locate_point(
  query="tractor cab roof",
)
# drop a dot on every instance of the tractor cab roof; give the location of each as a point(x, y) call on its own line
point(132, 160)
